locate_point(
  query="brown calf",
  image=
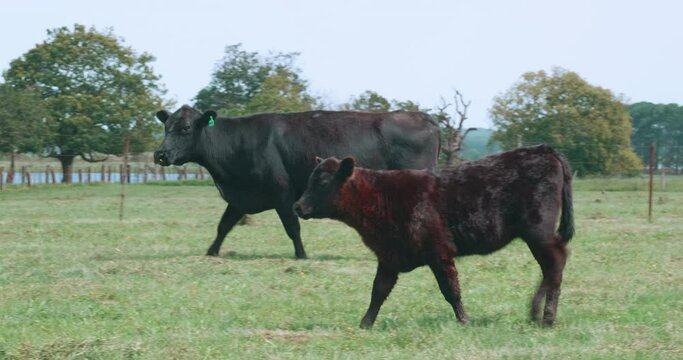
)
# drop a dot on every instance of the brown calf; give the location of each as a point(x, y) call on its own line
point(411, 218)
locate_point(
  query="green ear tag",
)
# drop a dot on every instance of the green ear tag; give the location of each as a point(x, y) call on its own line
point(211, 122)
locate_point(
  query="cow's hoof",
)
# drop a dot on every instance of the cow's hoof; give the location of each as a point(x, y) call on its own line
point(212, 252)
point(366, 325)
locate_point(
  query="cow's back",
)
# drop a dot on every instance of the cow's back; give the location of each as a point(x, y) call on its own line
point(489, 202)
point(396, 140)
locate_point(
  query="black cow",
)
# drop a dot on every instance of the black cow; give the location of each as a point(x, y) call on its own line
point(410, 218)
point(263, 161)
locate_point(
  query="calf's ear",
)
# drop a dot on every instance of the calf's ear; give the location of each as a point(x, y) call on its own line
point(163, 115)
point(208, 117)
point(318, 159)
point(346, 168)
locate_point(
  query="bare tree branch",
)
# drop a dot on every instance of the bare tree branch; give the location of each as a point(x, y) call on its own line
point(453, 137)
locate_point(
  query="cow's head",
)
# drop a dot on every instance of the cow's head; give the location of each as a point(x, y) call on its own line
point(181, 135)
point(322, 192)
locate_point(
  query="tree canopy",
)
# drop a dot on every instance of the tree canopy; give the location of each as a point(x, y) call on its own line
point(24, 119)
point(245, 82)
point(661, 125)
point(589, 124)
point(372, 101)
point(99, 93)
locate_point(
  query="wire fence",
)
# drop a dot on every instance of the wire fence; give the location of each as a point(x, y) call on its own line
point(28, 175)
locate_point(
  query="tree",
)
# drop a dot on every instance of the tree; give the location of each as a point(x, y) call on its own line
point(246, 82)
point(25, 122)
point(587, 123)
point(374, 102)
point(453, 133)
point(99, 93)
point(368, 101)
point(661, 125)
point(282, 91)
point(407, 105)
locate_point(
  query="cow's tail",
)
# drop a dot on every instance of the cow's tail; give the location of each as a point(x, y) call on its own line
point(566, 229)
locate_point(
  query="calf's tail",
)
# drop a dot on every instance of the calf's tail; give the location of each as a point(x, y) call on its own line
point(566, 229)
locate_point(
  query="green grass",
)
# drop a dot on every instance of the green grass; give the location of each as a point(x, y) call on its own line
point(77, 283)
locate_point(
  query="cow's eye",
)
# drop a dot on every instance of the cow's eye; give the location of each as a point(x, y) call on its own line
point(185, 128)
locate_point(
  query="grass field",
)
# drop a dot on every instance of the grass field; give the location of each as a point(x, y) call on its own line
point(77, 283)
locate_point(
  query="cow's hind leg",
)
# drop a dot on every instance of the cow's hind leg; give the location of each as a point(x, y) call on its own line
point(385, 279)
point(291, 223)
point(447, 277)
point(552, 257)
point(230, 217)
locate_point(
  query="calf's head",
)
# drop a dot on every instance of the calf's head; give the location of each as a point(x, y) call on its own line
point(324, 184)
point(182, 131)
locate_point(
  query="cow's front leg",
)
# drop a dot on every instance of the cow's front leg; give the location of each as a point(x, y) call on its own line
point(291, 223)
point(385, 279)
point(230, 217)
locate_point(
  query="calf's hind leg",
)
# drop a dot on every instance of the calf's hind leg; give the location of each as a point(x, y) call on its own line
point(551, 257)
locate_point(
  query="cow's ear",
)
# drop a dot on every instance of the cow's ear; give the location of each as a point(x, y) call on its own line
point(208, 118)
point(318, 159)
point(163, 115)
point(346, 168)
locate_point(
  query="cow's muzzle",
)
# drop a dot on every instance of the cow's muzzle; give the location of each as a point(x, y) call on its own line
point(302, 210)
point(161, 158)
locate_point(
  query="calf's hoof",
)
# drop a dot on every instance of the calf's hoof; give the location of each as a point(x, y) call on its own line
point(548, 322)
point(301, 256)
point(212, 252)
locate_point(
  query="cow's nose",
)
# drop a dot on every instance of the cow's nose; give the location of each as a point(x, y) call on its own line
point(298, 209)
point(159, 157)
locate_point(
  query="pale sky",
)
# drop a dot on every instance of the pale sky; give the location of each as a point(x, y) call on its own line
point(405, 50)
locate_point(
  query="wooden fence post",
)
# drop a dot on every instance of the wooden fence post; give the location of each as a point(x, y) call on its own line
point(108, 173)
point(47, 174)
point(144, 173)
point(80, 176)
point(122, 175)
point(102, 174)
point(201, 173)
point(128, 173)
point(89, 175)
point(2, 179)
point(23, 175)
point(52, 175)
point(28, 177)
point(10, 176)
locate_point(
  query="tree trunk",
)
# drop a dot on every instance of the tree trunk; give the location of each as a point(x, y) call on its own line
point(12, 156)
point(67, 162)
point(10, 172)
point(126, 146)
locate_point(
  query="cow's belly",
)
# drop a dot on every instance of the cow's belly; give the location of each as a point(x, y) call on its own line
point(248, 201)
